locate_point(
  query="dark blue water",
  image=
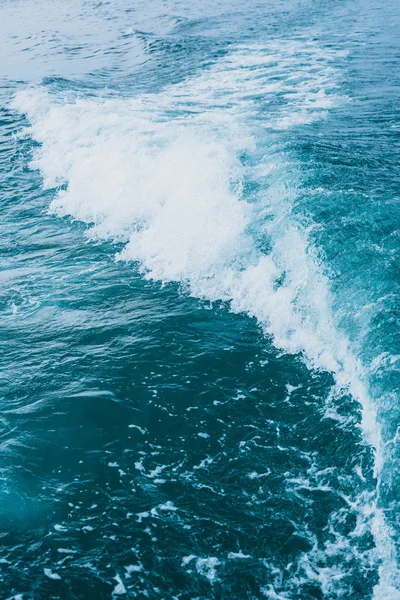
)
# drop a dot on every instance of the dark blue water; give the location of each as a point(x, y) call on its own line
point(200, 300)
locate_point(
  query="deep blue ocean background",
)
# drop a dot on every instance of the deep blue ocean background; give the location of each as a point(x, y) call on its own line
point(199, 302)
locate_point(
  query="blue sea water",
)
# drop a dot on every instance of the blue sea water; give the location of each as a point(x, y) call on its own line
point(199, 348)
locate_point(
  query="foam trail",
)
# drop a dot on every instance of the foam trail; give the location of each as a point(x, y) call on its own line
point(162, 173)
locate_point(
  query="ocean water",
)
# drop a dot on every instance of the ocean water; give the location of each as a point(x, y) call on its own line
point(199, 302)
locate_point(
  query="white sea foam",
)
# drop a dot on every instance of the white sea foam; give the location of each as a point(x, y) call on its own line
point(207, 567)
point(162, 173)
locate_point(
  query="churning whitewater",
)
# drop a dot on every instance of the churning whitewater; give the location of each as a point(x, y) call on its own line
point(219, 425)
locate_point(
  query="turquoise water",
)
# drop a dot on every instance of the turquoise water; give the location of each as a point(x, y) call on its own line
point(200, 300)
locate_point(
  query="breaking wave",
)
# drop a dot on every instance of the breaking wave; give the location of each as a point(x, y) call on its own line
point(198, 183)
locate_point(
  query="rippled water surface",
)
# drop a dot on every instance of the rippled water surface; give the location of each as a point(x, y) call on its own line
point(199, 301)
